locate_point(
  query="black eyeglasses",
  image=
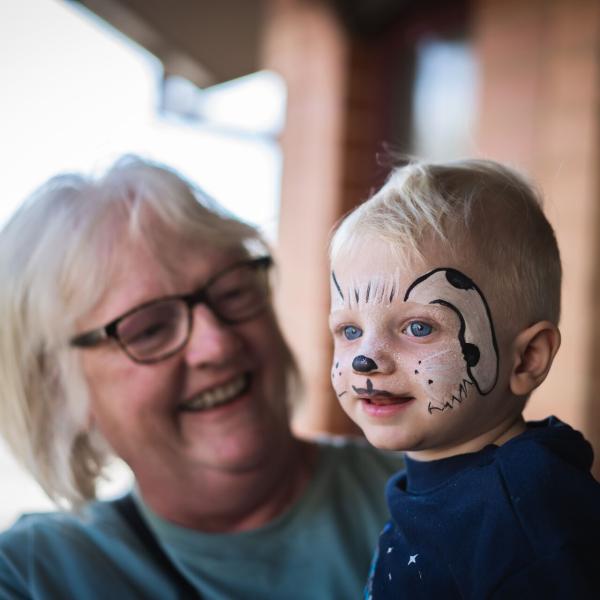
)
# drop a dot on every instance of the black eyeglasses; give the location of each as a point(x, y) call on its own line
point(160, 328)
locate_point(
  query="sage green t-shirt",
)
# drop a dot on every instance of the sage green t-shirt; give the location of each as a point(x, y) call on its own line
point(319, 548)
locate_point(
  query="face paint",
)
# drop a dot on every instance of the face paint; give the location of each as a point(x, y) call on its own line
point(379, 289)
point(443, 371)
point(476, 336)
point(409, 345)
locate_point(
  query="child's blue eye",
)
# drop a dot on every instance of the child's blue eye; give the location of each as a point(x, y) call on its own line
point(351, 332)
point(419, 329)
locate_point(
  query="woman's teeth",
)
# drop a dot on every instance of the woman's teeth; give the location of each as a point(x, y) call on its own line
point(217, 395)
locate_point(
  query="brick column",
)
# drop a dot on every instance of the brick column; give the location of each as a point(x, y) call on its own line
point(328, 147)
point(540, 66)
point(305, 44)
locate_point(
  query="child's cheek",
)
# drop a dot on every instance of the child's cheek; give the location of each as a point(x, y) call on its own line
point(336, 371)
point(340, 370)
point(442, 376)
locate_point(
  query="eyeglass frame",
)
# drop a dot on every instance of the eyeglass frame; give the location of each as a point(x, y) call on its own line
point(94, 337)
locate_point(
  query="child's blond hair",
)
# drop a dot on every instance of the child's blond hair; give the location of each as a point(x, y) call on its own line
point(477, 211)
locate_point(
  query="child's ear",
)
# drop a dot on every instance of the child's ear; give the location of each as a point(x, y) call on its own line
point(534, 350)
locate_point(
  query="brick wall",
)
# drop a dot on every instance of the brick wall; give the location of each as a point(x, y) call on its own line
point(306, 44)
point(333, 130)
point(540, 82)
point(538, 110)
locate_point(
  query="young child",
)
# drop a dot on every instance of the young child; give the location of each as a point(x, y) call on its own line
point(445, 302)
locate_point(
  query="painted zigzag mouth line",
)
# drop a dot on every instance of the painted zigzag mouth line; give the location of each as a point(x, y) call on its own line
point(462, 394)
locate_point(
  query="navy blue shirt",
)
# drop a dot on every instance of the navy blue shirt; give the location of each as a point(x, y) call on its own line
point(517, 521)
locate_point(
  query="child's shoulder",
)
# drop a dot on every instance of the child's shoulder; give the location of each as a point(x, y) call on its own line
point(522, 516)
point(546, 472)
point(548, 452)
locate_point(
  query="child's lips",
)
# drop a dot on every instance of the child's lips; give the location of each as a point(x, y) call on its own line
point(383, 400)
point(381, 404)
point(376, 396)
point(384, 407)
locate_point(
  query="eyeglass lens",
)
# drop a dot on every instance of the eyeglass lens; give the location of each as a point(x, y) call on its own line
point(161, 328)
point(154, 329)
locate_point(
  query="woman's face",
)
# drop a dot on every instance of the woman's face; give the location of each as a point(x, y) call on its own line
point(157, 416)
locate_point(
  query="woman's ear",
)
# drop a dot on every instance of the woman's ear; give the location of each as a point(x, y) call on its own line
point(534, 350)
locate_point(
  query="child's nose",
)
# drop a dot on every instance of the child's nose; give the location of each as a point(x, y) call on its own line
point(375, 354)
point(364, 364)
point(379, 362)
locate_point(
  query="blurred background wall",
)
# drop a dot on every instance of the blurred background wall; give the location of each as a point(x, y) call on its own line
point(516, 81)
point(513, 80)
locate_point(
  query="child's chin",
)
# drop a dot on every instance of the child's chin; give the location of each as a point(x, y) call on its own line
point(385, 440)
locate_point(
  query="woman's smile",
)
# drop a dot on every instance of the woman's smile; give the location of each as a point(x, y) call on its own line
point(218, 395)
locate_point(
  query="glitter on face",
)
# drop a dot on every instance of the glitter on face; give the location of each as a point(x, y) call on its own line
point(413, 346)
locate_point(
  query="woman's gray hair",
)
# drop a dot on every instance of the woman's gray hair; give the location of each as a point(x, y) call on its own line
point(57, 254)
point(477, 211)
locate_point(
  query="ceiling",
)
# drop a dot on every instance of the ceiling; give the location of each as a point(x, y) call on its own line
point(205, 41)
point(211, 41)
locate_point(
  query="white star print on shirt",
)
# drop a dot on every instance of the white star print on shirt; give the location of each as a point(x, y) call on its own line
point(412, 559)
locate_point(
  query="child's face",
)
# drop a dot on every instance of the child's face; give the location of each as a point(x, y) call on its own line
point(416, 362)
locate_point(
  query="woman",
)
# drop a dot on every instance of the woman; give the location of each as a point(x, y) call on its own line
point(137, 322)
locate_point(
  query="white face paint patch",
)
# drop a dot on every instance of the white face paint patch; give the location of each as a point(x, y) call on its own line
point(473, 362)
point(447, 380)
point(455, 290)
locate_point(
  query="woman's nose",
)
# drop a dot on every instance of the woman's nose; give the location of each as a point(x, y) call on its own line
point(364, 364)
point(211, 343)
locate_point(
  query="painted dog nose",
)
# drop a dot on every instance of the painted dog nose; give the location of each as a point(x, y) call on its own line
point(363, 364)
